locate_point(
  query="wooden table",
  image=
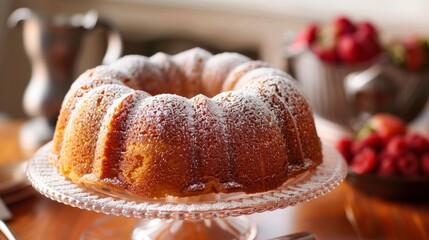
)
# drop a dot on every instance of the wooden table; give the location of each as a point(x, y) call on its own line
point(342, 214)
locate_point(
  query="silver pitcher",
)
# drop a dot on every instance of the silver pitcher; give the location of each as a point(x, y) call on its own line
point(52, 43)
point(323, 85)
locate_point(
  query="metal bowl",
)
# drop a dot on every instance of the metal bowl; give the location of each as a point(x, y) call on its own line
point(386, 88)
point(390, 188)
point(349, 95)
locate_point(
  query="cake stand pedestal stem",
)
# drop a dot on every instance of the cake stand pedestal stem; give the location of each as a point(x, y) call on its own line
point(113, 227)
point(213, 229)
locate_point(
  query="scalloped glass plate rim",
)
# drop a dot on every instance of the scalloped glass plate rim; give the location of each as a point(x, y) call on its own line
point(48, 181)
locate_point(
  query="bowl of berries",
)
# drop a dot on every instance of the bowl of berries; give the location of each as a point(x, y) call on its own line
point(387, 160)
point(320, 57)
point(409, 63)
point(344, 64)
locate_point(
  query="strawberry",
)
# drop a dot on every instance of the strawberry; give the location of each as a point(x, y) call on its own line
point(368, 43)
point(410, 53)
point(414, 58)
point(368, 28)
point(342, 43)
point(413, 41)
point(386, 125)
point(349, 49)
point(326, 54)
point(306, 37)
point(343, 26)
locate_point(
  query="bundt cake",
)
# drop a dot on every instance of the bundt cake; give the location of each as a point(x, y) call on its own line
point(184, 125)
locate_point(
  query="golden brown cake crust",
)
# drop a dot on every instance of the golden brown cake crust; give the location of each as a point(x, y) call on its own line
point(123, 127)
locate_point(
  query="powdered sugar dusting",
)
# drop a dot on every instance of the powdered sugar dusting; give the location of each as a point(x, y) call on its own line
point(239, 71)
point(232, 185)
point(77, 151)
point(104, 73)
point(175, 78)
point(247, 122)
point(192, 64)
point(217, 70)
point(259, 73)
point(197, 187)
point(145, 75)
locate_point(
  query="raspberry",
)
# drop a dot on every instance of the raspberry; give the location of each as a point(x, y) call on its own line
point(383, 154)
point(374, 141)
point(397, 147)
point(365, 161)
point(408, 165)
point(387, 125)
point(344, 146)
point(416, 143)
point(387, 167)
point(425, 164)
point(415, 58)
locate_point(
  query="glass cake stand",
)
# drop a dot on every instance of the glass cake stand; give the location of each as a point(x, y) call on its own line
point(211, 216)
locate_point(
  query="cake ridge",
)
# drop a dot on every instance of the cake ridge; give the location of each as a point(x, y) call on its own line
point(239, 71)
point(255, 93)
point(87, 81)
point(195, 159)
point(277, 93)
point(212, 151)
point(191, 63)
point(118, 111)
point(104, 95)
point(171, 72)
point(138, 67)
point(218, 67)
point(295, 94)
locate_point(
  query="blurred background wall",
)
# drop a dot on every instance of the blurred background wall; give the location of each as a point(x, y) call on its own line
point(253, 27)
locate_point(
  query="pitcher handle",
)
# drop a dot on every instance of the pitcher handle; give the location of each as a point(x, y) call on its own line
point(91, 20)
point(114, 41)
point(19, 15)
